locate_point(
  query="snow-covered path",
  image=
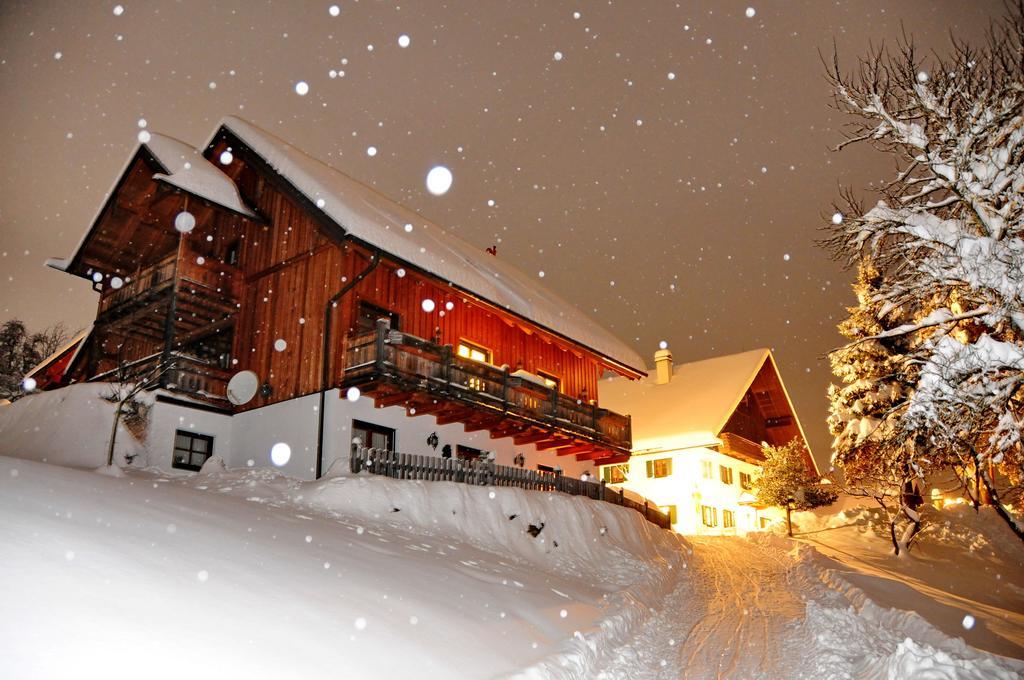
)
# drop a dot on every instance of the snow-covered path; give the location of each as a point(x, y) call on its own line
point(724, 621)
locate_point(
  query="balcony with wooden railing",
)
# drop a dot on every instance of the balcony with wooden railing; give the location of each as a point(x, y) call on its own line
point(210, 280)
point(400, 369)
point(741, 448)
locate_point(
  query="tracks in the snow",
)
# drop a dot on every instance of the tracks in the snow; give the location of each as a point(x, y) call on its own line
point(724, 619)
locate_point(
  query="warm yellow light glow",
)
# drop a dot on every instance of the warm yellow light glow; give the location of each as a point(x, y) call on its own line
point(472, 353)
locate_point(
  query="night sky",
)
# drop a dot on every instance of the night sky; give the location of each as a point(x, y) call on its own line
point(665, 165)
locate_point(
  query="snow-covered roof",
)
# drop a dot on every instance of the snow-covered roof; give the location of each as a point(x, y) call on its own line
point(56, 354)
point(693, 407)
point(187, 169)
point(190, 171)
point(377, 220)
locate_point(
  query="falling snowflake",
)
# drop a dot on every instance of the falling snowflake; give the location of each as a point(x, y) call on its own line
point(280, 345)
point(334, 10)
point(226, 157)
point(428, 305)
point(439, 180)
point(185, 222)
point(751, 12)
point(403, 40)
point(280, 454)
point(837, 218)
point(371, 151)
point(302, 88)
point(352, 394)
point(558, 56)
point(144, 136)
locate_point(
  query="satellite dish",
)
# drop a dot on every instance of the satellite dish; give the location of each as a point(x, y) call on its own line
point(242, 387)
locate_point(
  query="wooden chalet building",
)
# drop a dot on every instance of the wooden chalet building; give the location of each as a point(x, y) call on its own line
point(451, 350)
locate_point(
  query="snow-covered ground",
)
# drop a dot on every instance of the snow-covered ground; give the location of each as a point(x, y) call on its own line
point(249, 573)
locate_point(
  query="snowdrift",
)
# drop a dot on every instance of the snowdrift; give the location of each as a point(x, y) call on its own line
point(68, 427)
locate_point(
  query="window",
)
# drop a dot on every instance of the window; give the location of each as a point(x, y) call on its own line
point(615, 474)
point(551, 380)
point(544, 468)
point(367, 315)
point(709, 515)
point(191, 450)
point(707, 469)
point(669, 510)
point(468, 350)
point(373, 436)
point(726, 474)
point(764, 522)
point(469, 453)
point(728, 519)
point(231, 256)
point(659, 468)
point(746, 482)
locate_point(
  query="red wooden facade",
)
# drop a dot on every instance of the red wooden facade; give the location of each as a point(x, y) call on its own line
point(239, 293)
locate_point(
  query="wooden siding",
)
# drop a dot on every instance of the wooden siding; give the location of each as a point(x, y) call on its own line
point(293, 269)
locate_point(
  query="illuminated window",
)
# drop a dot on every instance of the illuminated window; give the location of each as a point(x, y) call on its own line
point(615, 474)
point(728, 519)
point(659, 468)
point(709, 515)
point(473, 352)
point(707, 469)
point(669, 510)
point(551, 380)
point(746, 482)
point(725, 473)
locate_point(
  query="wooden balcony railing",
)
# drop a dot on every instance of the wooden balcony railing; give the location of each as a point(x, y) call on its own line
point(198, 378)
point(740, 447)
point(391, 355)
point(211, 278)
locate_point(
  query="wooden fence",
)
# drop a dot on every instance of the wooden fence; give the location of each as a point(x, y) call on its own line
point(485, 473)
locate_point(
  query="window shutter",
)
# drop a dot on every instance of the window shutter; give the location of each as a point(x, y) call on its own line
point(650, 468)
point(606, 474)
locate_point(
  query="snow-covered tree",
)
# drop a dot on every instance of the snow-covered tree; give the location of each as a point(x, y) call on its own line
point(785, 481)
point(947, 241)
point(21, 351)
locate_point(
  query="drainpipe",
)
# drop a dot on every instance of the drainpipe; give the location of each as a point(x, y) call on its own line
point(325, 359)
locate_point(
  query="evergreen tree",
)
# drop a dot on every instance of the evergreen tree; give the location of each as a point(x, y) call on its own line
point(786, 482)
point(947, 241)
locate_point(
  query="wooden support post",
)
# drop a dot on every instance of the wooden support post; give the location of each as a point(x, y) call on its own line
point(382, 330)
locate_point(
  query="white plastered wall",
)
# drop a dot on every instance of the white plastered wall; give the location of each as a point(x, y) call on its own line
point(250, 436)
point(688, 490)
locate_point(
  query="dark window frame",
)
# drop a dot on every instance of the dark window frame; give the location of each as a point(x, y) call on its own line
point(374, 428)
point(728, 519)
point(669, 510)
point(746, 481)
point(463, 452)
point(368, 310)
point(725, 474)
point(709, 511)
point(191, 451)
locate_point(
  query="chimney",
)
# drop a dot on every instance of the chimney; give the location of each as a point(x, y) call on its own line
point(663, 365)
